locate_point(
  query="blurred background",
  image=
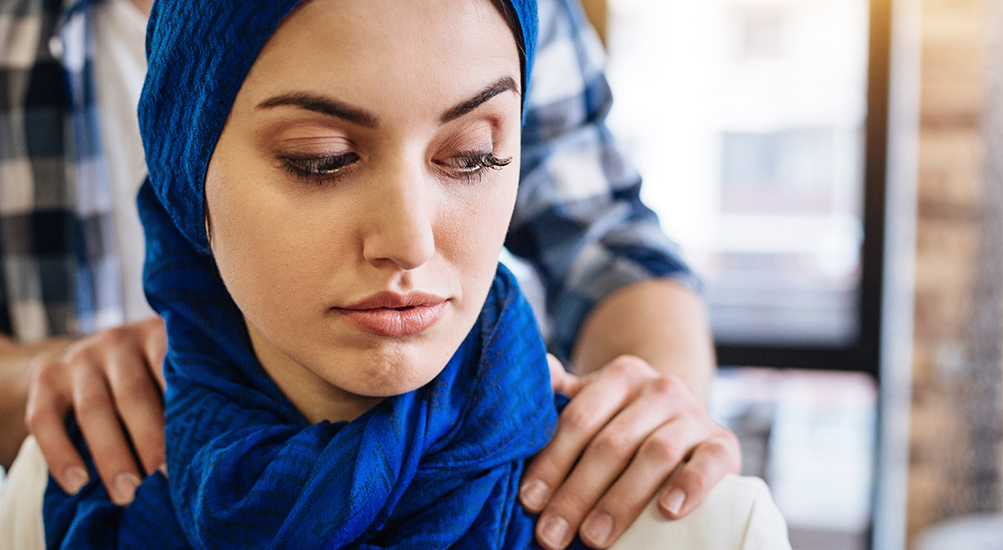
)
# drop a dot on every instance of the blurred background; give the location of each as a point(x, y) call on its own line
point(823, 165)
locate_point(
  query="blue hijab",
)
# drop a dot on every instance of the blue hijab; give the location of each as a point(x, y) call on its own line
point(434, 468)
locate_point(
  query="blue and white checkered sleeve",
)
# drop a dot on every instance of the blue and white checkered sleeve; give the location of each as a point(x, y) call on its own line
point(579, 219)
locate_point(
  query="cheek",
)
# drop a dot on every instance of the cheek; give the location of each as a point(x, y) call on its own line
point(478, 225)
point(259, 244)
point(239, 246)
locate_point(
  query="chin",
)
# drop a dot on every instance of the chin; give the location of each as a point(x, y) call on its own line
point(395, 376)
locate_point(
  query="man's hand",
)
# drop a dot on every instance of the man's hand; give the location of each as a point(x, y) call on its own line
point(17, 361)
point(113, 383)
point(624, 433)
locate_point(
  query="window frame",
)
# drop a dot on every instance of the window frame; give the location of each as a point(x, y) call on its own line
point(864, 354)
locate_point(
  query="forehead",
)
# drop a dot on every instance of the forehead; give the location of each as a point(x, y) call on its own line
point(364, 51)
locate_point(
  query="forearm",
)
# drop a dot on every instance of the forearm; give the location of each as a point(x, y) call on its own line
point(659, 320)
point(15, 374)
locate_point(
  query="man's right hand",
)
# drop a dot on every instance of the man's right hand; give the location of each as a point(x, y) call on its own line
point(113, 382)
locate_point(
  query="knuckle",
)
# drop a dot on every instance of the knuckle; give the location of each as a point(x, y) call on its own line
point(570, 505)
point(616, 445)
point(37, 417)
point(666, 387)
point(660, 451)
point(114, 336)
point(628, 366)
point(546, 466)
point(671, 391)
point(715, 449)
point(79, 355)
point(578, 419)
point(130, 386)
point(698, 482)
point(47, 374)
point(724, 449)
point(89, 399)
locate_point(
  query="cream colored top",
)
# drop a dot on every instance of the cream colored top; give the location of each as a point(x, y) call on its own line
point(737, 515)
point(21, 525)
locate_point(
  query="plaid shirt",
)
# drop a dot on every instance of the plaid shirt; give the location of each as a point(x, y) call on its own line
point(57, 244)
point(578, 218)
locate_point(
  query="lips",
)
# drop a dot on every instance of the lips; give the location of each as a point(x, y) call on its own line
point(395, 315)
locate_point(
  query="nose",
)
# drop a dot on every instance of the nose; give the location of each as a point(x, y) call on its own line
point(401, 222)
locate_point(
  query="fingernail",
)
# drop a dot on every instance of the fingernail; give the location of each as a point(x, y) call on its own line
point(553, 531)
point(163, 469)
point(125, 488)
point(76, 477)
point(534, 494)
point(674, 501)
point(598, 528)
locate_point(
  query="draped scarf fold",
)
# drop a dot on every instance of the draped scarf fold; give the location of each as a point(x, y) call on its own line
point(434, 468)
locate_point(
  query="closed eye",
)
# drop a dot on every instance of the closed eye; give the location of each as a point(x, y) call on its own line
point(471, 166)
point(318, 169)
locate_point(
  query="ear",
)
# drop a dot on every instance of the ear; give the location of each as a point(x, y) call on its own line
point(208, 224)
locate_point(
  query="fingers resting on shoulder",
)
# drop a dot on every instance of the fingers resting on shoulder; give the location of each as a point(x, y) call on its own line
point(628, 434)
point(626, 430)
point(112, 382)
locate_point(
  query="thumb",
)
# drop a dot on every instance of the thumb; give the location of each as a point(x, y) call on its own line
point(561, 380)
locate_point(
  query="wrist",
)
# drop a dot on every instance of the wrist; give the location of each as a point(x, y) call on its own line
point(661, 321)
point(19, 361)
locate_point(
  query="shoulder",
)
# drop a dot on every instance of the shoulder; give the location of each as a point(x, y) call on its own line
point(21, 500)
point(738, 514)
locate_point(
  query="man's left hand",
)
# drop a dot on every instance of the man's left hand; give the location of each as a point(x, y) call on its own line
point(625, 432)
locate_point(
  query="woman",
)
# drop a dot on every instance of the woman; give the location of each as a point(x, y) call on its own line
point(345, 365)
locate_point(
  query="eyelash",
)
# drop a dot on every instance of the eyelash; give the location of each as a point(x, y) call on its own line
point(318, 169)
point(470, 167)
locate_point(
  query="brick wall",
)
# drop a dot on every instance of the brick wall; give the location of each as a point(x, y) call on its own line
point(950, 163)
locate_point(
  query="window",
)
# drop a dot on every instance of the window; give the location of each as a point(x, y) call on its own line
point(760, 128)
point(748, 120)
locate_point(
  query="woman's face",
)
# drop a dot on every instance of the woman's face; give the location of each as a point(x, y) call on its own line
point(360, 193)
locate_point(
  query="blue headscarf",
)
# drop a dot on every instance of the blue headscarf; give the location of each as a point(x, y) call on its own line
point(197, 64)
point(433, 468)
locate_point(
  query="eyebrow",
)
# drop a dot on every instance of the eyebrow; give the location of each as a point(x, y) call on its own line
point(503, 84)
point(330, 107)
point(322, 105)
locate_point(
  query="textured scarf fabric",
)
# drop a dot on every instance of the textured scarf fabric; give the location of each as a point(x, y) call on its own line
point(438, 467)
point(435, 468)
